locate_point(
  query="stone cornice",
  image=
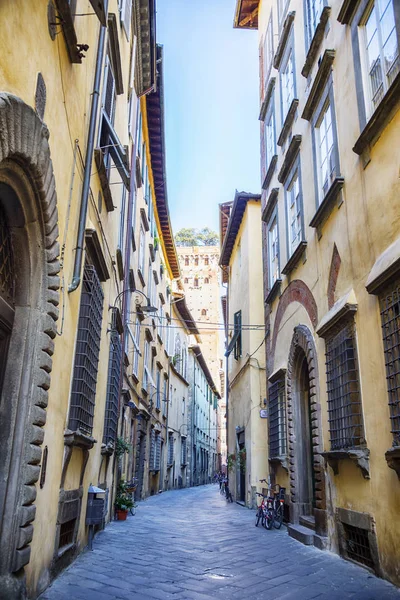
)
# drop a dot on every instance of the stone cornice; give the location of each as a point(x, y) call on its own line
point(290, 156)
point(316, 41)
point(287, 26)
point(267, 98)
point(318, 86)
point(288, 122)
point(270, 205)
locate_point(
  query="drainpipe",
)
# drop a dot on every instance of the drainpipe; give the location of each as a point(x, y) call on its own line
point(76, 279)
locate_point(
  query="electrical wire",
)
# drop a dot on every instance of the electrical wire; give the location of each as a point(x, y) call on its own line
point(219, 325)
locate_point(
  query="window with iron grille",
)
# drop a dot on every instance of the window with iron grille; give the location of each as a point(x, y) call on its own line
point(87, 353)
point(170, 448)
point(344, 398)
point(277, 419)
point(158, 389)
point(157, 463)
point(184, 452)
point(152, 455)
point(114, 372)
point(357, 546)
point(7, 278)
point(165, 393)
point(390, 316)
point(67, 533)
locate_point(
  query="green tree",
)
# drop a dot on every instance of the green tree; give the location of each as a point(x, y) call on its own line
point(189, 236)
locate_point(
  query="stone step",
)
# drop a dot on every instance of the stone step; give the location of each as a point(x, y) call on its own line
point(307, 521)
point(305, 535)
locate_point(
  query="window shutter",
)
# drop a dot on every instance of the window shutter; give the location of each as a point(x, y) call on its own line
point(152, 450)
point(126, 17)
point(158, 452)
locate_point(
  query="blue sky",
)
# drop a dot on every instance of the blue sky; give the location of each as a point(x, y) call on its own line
point(212, 107)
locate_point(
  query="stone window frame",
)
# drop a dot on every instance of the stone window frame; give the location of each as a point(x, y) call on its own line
point(270, 161)
point(313, 37)
point(371, 126)
point(288, 51)
point(269, 35)
point(273, 286)
point(325, 205)
point(293, 258)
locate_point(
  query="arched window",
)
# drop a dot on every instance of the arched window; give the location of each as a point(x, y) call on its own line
point(186, 280)
point(186, 261)
point(206, 280)
point(206, 261)
point(196, 261)
point(204, 312)
point(196, 282)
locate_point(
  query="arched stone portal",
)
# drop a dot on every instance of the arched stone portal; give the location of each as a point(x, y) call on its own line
point(306, 468)
point(28, 206)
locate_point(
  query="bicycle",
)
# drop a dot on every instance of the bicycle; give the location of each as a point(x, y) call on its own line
point(260, 514)
point(130, 490)
point(274, 506)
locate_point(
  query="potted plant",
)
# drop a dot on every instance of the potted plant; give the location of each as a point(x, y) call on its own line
point(123, 501)
point(122, 446)
point(231, 462)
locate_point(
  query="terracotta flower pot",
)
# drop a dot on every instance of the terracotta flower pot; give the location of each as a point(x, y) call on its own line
point(121, 515)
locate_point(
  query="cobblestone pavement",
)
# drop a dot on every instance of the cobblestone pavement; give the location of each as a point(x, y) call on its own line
point(191, 545)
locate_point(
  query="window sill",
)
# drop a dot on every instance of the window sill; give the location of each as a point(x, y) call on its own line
point(328, 203)
point(270, 205)
point(287, 25)
point(139, 181)
point(268, 94)
point(135, 378)
point(340, 312)
point(78, 439)
point(379, 119)
point(152, 253)
point(140, 275)
point(386, 268)
point(102, 173)
point(359, 456)
point(65, 549)
point(274, 292)
point(144, 219)
point(290, 156)
point(295, 258)
point(270, 172)
point(393, 459)
point(288, 122)
point(120, 265)
point(318, 86)
point(316, 41)
point(346, 11)
point(281, 461)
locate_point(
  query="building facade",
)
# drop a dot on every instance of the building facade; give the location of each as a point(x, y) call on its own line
point(331, 267)
point(241, 264)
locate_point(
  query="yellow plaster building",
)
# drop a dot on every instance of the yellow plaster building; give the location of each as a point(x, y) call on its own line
point(241, 262)
point(330, 120)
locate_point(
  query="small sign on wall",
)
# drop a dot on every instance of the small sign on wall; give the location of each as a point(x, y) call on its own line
point(264, 413)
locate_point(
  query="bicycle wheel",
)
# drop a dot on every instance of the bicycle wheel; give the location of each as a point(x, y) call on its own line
point(278, 517)
point(259, 516)
point(269, 519)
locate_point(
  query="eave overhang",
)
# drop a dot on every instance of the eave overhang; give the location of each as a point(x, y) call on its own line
point(199, 355)
point(145, 25)
point(152, 107)
point(184, 313)
point(246, 14)
point(235, 220)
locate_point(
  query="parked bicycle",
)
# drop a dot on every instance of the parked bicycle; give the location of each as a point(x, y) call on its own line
point(224, 490)
point(273, 506)
point(131, 489)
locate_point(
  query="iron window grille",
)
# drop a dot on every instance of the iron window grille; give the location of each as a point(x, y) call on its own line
point(170, 448)
point(6, 261)
point(237, 322)
point(277, 419)
point(184, 452)
point(344, 398)
point(84, 382)
point(157, 463)
point(67, 531)
point(152, 450)
point(158, 390)
point(357, 546)
point(114, 372)
point(390, 316)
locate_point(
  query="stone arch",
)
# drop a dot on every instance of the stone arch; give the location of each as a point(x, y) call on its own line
point(28, 197)
point(303, 344)
point(296, 291)
point(333, 276)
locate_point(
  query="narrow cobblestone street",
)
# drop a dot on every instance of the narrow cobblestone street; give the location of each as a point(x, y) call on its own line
point(190, 544)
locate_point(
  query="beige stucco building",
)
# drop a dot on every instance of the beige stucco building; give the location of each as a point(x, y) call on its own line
point(330, 119)
point(241, 263)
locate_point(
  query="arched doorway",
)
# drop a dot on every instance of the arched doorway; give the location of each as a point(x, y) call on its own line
point(307, 475)
point(29, 300)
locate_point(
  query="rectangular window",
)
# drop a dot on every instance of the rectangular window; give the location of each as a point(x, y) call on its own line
point(344, 398)
point(183, 405)
point(157, 462)
point(141, 248)
point(170, 448)
point(277, 419)
point(273, 251)
point(268, 51)
point(164, 398)
point(325, 151)
point(237, 323)
point(87, 352)
point(67, 531)
point(158, 389)
point(109, 102)
point(145, 364)
point(287, 85)
point(183, 452)
point(282, 10)
point(136, 345)
point(314, 11)
point(113, 378)
point(390, 316)
point(380, 51)
point(270, 134)
point(152, 454)
point(294, 212)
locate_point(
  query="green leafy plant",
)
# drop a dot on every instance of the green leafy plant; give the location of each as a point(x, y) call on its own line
point(242, 459)
point(231, 462)
point(122, 447)
point(123, 500)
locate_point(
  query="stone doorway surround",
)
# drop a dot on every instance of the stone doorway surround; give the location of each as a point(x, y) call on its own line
point(30, 204)
point(303, 344)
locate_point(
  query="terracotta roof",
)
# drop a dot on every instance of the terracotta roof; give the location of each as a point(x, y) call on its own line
point(185, 314)
point(155, 125)
point(199, 355)
point(235, 219)
point(246, 14)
